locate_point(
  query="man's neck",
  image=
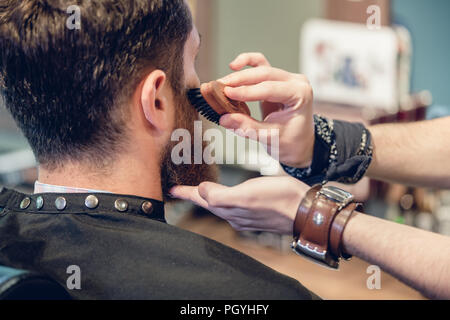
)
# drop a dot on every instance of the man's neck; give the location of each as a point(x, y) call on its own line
point(128, 176)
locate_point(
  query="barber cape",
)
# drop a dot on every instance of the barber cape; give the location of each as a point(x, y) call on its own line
point(107, 246)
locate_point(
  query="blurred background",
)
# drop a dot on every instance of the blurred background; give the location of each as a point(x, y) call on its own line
point(387, 63)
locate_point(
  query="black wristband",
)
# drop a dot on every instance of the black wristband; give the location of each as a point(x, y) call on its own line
point(342, 153)
point(354, 146)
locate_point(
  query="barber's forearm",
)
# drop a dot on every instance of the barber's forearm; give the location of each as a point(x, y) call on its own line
point(419, 258)
point(415, 154)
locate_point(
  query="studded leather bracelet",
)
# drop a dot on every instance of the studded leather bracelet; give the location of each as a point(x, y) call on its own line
point(320, 223)
point(343, 152)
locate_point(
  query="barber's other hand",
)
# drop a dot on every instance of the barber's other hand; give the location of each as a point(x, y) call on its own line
point(262, 204)
point(286, 104)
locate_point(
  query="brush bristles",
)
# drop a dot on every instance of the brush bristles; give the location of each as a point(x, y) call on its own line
point(197, 100)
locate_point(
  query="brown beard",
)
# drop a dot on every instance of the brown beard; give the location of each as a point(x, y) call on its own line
point(184, 174)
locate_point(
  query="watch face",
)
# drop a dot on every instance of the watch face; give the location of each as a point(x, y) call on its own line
point(336, 194)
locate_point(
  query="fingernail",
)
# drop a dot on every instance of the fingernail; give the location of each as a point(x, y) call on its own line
point(223, 80)
point(171, 192)
point(227, 90)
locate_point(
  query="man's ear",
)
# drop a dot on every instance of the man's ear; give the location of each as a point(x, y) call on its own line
point(154, 100)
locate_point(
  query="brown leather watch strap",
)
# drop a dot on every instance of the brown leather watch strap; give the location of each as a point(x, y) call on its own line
point(317, 226)
point(320, 222)
point(337, 230)
point(304, 208)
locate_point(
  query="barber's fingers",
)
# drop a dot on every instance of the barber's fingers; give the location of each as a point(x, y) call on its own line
point(252, 205)
point(255, 75)
point(247, 127)
point(217, 195)
point(255, 220)
point(252, 225)
point(253, 59)
point(209, 195)
point(190, 194)
point(213, 196)
point(286, 93)
point(265, 193)
point(292, 94)
point(258, 193)
point(222, 201)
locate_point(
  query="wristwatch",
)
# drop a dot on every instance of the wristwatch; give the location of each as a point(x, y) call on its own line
point(320, 222)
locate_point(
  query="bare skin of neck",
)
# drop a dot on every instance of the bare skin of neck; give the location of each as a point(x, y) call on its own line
point(132, 175)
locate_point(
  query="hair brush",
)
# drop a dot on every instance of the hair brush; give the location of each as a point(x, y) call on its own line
point(211, 102)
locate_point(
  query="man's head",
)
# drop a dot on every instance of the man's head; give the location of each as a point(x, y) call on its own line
point(87, 94)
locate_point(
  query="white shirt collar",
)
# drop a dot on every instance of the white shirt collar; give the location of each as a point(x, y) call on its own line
point(48, 188)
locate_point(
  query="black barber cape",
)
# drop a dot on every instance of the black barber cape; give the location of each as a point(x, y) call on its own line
point(124, 253)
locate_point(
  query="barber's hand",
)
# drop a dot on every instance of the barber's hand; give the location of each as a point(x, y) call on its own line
point(262, 204)
point(286, 104)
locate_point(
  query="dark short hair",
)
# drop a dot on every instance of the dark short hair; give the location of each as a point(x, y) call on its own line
point(65, 86)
